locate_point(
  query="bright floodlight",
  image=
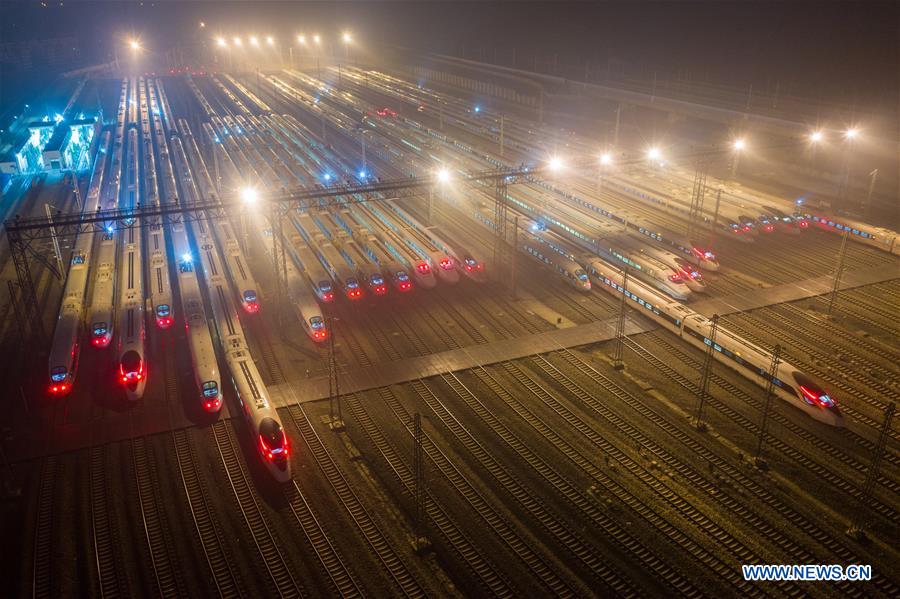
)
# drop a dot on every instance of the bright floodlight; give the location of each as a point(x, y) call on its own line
point(186, 258)
point(851, 133)
point(654, 154)
point(555, 163)
point(237, 41)
point(254, 40)
point(249, 196)
point(815, 136)
point(301, 39)
point(270, 40)
point(220, 42)
point(738, 144)
point(605, 159)
point(317, 39)
point(134, 45)
point(347, 38)
point(202, 24)
point(443, 175)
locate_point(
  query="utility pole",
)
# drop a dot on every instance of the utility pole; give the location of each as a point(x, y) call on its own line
point(501, 136)
point(512, 259)
point(838, 271)
point(707, 368)
point(56, 251)
point(872, 176)
point(698, 194)
point(421, 541)
point(763, 427)
point(618, 123)
point(856, 529)
point(618, 359)
point(336, 417)
point(715, 223)
point(430, 204)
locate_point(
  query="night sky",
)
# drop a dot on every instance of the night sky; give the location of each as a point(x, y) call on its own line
point(844, 51)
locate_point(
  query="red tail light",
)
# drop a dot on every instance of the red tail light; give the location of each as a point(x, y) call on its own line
point(211, 405)
point(164, 322)
point(746, 228)
point(804, 224)
point(423, 268)
point(405, 286)
point(327, 296)
point(380, 290)
point(468, 267)
point(354, 293)
point(279, 454)
point(320, 335)
point(769, 228)
point(58, 388)
point(251, 307)
point(676, 278)
point(446, 263)
point(101, 341)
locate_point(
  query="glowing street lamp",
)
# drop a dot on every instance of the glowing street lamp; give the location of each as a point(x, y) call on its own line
point(202, 25)
point(270, 40)
point(851, 133)
point(606, 159)
point(134, 45)
point(816, 136)
point(443, 175)
point(249, 196)
point(739, 144)
point(220, 41)
point(317, 39)
point(654, 154)
point(346, 37)
point(237, 41)
point(254, 41)
point(301, 39)
point(555, 164)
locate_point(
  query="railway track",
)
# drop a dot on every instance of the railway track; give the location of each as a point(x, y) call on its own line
point(489, 579)
point(210, 537)
point(152, 521)
point(552, 580)
point(103, 531)
point(272, 557)
point(783, 448)
point(693, 477)
point(42, 558)
point(610, 578)
point(650, 560)
point(342, 578)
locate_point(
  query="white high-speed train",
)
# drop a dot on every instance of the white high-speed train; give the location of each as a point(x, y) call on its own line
point(269, 437)
point(753, 362)
point(66, 346)
point(132, 362)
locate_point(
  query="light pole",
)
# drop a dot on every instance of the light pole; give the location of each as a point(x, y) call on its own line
point(737, 147)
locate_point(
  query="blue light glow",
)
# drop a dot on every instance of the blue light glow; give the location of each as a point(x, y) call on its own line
point(109, 229)
point(362, 174)
point(477, 108)
point(327, 177)
point(186, 258)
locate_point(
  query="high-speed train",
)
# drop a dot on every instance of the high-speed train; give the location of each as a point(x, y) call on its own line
point(880, 238)
point(132, 362)
point(237, 265)
point(367, 269)
point(66, 347)
point(790, 384)
point(269, 437)
point(102, 311)
point(334, 263)
point(207, 377)
point(376, 251)
point(160, 286)
point(315, 272)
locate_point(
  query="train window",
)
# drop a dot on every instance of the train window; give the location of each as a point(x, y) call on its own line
point(210, 389)
point(316, 322)
point(99, 328)
point(58, 374)
point(162, 310)
point(271, 433)
point(78, 258)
